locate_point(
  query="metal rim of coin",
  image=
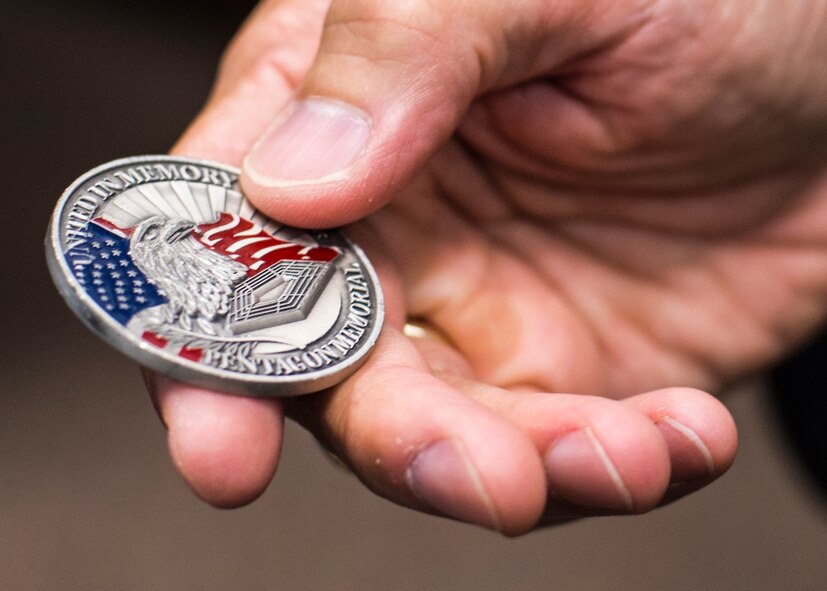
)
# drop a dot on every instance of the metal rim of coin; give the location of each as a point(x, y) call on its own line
point(166, 260)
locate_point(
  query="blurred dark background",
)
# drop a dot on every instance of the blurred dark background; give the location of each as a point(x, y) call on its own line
point(88, 498)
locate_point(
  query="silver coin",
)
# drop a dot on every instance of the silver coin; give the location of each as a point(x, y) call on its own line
point(166, 260)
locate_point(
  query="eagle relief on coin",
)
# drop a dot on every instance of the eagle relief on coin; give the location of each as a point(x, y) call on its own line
point(166, 259)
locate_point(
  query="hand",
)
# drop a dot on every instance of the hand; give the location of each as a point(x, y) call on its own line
point(594, 198)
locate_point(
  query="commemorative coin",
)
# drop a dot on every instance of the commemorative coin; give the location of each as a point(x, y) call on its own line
point(167, 261)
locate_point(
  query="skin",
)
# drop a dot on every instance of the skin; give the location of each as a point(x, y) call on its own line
point(591, 207)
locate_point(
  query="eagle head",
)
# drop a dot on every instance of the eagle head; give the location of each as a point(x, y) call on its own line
point(196, 281)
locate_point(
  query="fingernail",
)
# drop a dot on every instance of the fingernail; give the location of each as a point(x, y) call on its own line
point(580, 471)
point(688, 453)
point(312, 140)
point(444, 477)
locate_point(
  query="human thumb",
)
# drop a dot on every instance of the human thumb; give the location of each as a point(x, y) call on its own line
point(390, 83)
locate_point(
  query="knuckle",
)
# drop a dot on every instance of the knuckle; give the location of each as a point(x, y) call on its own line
point(400, 30)
point(278, 42)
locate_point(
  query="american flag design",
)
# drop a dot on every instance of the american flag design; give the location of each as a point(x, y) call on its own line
point(112, 279)
point(118, 285)
point(249, 244)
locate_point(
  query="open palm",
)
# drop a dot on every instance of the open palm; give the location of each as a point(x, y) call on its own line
point(594, 229)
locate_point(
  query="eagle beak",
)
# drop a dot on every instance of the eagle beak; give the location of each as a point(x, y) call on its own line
point(178, 231)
